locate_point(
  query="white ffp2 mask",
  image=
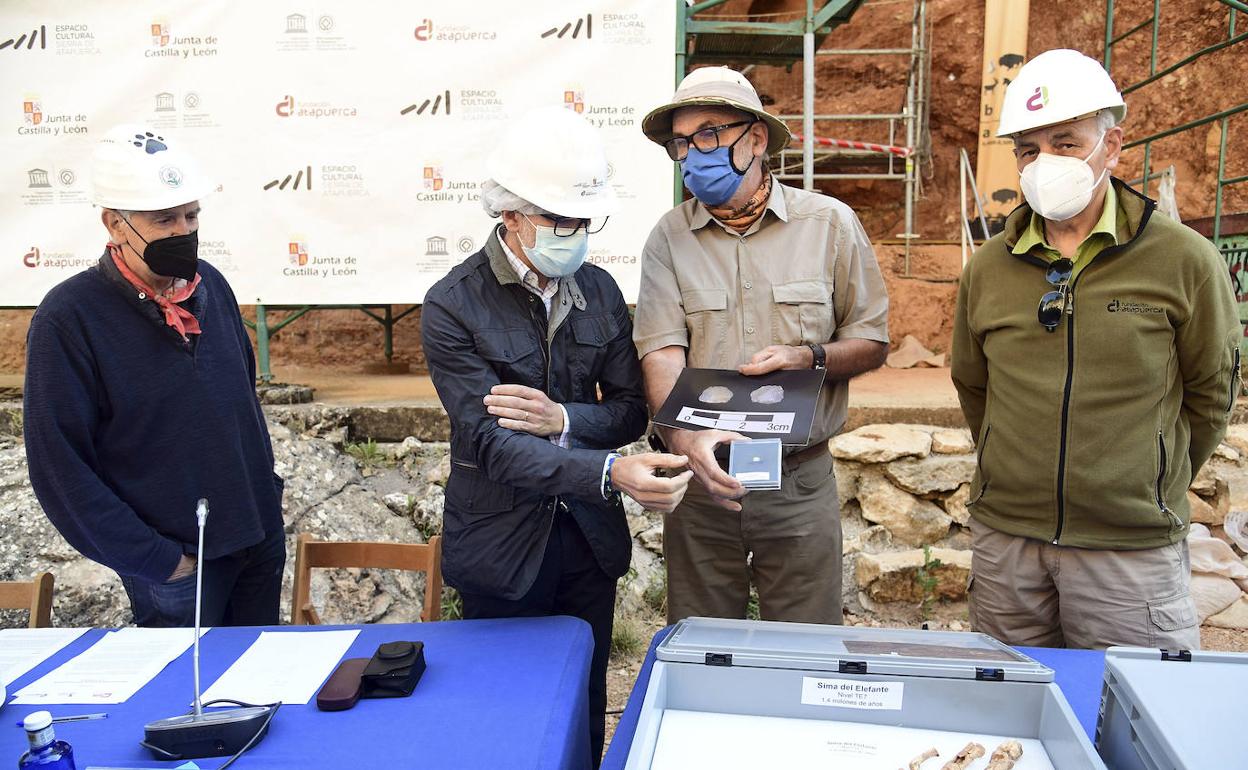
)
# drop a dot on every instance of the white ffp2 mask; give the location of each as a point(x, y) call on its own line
point(1058, 187)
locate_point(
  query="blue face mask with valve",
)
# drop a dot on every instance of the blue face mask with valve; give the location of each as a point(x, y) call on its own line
point(556, 256)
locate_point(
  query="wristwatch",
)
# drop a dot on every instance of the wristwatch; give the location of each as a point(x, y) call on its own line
point(821, 358)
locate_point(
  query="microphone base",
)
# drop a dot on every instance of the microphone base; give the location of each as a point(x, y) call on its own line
point(210, 734)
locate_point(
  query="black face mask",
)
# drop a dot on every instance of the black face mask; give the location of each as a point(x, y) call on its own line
point(174, 257)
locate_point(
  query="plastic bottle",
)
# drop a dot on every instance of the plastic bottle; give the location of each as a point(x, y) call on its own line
point(46, 752)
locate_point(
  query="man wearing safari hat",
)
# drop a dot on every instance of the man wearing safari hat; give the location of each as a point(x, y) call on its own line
point(1095, 354)
point(140, 400)
point(754, 275)
point(531, 352)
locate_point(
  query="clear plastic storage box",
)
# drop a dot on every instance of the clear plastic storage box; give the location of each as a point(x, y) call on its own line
point(731, 694)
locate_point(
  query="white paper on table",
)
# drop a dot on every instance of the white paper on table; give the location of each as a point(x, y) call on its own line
point(112, 669)
point(21, 649)
point(740, 742)
point(286, 666)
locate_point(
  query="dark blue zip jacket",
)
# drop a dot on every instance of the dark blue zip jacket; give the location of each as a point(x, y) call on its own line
point(127, 425)
point(480, 328)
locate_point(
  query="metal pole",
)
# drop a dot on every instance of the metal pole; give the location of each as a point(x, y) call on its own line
point(1217, 205)
point(979, 206)
point(1152, 59)
point(962, 208)
point(1226, 127)
point(808, 98)
point(862, 51)
point(911, 112)
point(1109, 34)
point(682, 47)
point(1148, 152)
point(909, 234)
point(262, 344)
point(388, 337)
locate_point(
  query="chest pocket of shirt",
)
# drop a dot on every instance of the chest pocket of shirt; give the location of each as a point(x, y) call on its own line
point(802, 312)
point(512, 352)
point(706, 312)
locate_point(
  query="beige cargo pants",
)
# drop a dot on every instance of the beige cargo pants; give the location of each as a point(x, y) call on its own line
point(1033, 593)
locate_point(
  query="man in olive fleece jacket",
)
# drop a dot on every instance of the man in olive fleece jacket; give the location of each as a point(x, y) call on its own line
point(1089, 435)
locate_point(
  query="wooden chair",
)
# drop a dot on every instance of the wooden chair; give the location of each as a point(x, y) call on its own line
point(35, 596)
point(313, 554)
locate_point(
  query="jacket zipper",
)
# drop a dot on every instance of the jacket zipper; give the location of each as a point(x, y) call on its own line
point(1070, 349)
point(1161, 472)
point(1070, 377)
point(1175, 521)
point(533, 300)
point(979, 463)
point(1230, 401)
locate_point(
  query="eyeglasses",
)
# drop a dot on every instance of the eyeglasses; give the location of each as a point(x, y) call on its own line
point(1053, 303)
point(567, 226)
point(704, 140)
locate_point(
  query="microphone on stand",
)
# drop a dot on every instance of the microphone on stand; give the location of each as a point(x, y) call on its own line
point(215, 733)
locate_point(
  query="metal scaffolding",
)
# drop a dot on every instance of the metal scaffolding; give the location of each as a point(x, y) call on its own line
point(1229, 232)
point(816, 156)
point(1153, 23)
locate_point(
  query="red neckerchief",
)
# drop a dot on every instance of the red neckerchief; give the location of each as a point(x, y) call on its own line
point(176, 316)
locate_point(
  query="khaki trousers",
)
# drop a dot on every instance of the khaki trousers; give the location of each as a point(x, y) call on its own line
point(787, 542)
point(1033, 593)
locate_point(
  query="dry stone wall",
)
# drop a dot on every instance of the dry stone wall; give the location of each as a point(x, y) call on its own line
point(903, 492)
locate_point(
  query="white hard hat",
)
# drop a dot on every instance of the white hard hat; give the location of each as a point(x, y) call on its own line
point(1055, 87)
point(715, 87)
point(137, 168)
point(553, 158)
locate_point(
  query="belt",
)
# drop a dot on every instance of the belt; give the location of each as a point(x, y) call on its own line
point(812, 452)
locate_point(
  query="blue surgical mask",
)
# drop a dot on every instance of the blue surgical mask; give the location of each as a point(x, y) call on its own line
point(713, 177)
point(556, 256)
point(710, 176)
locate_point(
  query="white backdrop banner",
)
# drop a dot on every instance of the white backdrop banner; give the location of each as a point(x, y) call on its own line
point(348, 138)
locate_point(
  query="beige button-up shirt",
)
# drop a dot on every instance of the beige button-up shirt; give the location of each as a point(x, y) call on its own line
point(804, 272)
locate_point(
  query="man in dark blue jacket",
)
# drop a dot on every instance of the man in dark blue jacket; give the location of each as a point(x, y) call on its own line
point(531, 352)
point(140, 400)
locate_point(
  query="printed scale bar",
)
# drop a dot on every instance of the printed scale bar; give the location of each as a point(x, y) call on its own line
point(751, 422)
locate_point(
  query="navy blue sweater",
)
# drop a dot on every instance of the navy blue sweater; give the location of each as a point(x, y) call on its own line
point(127, 425)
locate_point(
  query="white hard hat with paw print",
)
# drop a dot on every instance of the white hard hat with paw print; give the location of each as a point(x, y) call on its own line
point(138, 168)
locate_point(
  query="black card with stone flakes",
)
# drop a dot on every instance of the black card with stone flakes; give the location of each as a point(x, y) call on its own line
point(779, 405)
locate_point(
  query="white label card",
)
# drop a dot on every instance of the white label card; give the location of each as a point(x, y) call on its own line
point(852, 693)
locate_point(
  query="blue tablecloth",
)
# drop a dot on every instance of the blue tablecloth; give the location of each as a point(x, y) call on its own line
point(497, 693)
point(1077, 672)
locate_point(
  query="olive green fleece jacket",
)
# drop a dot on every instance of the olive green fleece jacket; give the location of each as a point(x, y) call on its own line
point(1090, 435)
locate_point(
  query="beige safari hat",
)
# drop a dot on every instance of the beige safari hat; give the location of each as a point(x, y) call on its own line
point(715, 86)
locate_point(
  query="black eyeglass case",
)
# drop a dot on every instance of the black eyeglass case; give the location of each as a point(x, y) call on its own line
point(394, 670)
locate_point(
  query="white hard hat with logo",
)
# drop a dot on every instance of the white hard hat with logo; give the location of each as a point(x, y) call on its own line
point(1055, 87)
point(137, 168)
point(553, 158)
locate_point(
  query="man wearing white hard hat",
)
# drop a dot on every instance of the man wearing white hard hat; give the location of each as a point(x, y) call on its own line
point(757, 276)
point(1096, 357)
point(140, 400)
point(531, 352)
